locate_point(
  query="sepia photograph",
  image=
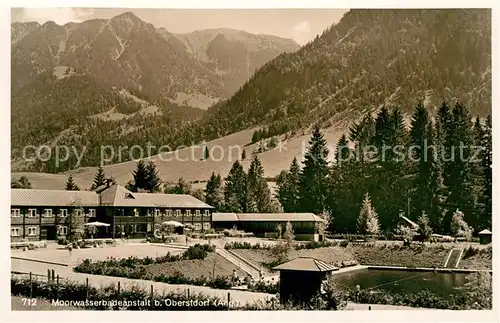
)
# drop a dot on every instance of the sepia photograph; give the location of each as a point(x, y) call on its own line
point(286, 159)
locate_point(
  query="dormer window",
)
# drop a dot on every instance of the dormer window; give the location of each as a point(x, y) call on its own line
point(129, 196)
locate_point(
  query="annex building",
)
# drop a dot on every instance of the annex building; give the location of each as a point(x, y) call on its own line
point(46, 214)
point(305, 225)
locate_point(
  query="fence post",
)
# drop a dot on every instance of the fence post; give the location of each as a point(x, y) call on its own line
point(118, 288)
point(152, 292)
point(48, 275)
point(31, 287)
point(87, 288)
point(228, 300)
point(57, 287)
point(53, 274)
point(188, 293)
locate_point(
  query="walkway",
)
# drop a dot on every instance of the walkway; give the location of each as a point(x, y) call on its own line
point(66, 273)
point(454, 257)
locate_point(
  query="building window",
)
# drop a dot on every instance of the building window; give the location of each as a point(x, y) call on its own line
point(206, 226)
point(197, 226)
point(188, 212)
point(15, 232)
point(78, 212)
point(207, 213)
point(157, 212)
point(32, 231)
point(197, 212)
point(169, 212)
point(178, 212)
point(48, 213)
point(32, 213)
point(16, 213)
point(92, 213)
point(64, 213)
point(63, 230)
point(136, 212)
point(150, 227)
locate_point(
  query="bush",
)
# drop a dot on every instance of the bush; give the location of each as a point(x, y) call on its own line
point(263, 287)
point(198, 251)
point(424, 299)
point(62, 241)
point(241, 245)
point(470, 252)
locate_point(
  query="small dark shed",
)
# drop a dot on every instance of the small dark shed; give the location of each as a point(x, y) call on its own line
point(485, 236)
point(301, 278)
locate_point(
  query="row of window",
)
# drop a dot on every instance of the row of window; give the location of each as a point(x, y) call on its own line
point(64, 212)
point(149, 227)
point(178, 212)
point(48, 213)
point(33, 231)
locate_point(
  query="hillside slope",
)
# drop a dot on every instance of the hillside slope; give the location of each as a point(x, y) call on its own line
point(369, 59)
point(109, 81)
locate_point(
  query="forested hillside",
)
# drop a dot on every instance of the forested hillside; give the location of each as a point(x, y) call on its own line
point(370, 59)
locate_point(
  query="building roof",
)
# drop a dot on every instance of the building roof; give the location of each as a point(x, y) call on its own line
point(115, 195)
point(485, 231)
point(173, 200)
point(224, 217)
point(306, 264)
point(410, 222)
point(30, 197)
point(279, 217)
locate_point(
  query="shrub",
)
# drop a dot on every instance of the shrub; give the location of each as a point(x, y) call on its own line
point(62, 241)
point(263, 287)
point(195, 252)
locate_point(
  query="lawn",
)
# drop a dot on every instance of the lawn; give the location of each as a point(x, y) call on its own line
point(196, 268)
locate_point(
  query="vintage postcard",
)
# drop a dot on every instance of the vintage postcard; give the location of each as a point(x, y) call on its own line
point(251, 159)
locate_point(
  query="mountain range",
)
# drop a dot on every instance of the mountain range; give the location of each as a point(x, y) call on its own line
point(369, 59)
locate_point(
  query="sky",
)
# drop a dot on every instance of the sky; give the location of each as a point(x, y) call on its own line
point(302, 25)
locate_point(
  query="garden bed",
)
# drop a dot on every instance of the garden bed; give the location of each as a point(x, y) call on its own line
point(197, 268)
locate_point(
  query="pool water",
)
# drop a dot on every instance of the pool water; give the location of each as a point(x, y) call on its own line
point(400, 281)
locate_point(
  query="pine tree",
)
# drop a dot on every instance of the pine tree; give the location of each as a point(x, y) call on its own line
point(314, 175)
point(153, 180)
point(99, 179)
point(389, 169)
point(440, 216)
point(181, 187)
point(457, 169)
point(235, 189)
point(424, 225)
point(71, 185)
point(423, 168)
point(213, 192)
point(207, 153)
point(140, 175)
point(368, 218)
point(342, 152)
point(258, 193)
point(289, 188)
point(486, 160)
